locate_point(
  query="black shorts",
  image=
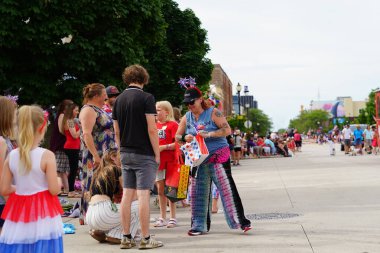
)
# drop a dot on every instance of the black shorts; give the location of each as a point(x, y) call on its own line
point(298, 144)
point(237, 149)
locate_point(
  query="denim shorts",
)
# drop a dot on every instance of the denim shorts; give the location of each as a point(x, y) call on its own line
point(139, 171)
point(358, 142)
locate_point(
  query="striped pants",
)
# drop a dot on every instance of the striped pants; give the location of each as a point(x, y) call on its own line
point(221, 175)
point(101, 216)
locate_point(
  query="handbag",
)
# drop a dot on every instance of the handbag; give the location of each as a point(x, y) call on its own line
point(177, 179)
point(195, 152)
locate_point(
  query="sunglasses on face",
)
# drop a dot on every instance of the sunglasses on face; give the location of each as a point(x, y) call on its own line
point(190, 103)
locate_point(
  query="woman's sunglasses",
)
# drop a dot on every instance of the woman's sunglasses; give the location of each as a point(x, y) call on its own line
point(189, 103)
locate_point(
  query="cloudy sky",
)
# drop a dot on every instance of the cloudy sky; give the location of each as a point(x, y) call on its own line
point(288, 50)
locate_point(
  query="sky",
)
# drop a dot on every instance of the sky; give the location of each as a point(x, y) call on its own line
point(289, 52)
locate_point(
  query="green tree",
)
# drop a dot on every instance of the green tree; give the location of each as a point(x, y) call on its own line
point(261, 123)
point(106, 37)
point(181, 54)
point(310, 120)
point(366, 114)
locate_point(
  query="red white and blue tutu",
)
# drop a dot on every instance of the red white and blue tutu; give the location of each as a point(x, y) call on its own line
point(33, 223)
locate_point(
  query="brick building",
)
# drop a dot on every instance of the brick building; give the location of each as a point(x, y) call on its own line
point(223, 85)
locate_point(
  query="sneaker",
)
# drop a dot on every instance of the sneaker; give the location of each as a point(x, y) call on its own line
point(127, 243)
point(150, 244)
point(246, 228)
point(172, 223)
point(160, 223)
point(192, 232)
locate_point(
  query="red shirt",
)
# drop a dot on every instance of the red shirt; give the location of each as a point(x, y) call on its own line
point(297, 137)
point(72, 143)
point(166, 135)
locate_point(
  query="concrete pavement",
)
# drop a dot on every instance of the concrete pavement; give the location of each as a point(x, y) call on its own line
point(309, 203)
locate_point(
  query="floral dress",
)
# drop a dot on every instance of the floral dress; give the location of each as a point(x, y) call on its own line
point(104, 140)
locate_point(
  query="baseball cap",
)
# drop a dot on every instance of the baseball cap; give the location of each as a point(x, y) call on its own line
point(112, 91)
point(191, 94)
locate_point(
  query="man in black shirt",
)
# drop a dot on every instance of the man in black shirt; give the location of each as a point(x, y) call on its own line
point(136, 134)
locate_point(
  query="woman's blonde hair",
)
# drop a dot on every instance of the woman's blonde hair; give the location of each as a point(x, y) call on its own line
point(165, 105)
point(105, 172)
point(30, 119)
point(7, 115)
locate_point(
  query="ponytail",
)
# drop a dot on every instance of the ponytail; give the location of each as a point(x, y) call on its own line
point(29, 119)
point(92, 90)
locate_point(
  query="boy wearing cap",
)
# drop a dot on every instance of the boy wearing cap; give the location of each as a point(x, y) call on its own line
point(112, 93)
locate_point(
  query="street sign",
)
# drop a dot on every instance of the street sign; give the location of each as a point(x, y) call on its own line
point(248, 124)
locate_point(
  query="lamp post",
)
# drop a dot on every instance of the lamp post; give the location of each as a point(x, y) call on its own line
point(238, 89)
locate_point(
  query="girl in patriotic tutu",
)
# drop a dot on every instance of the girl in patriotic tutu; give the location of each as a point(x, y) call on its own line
point(32, 213)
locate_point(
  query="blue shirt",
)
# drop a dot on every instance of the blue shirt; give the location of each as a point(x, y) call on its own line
point(270, 143)
point(205, 123)
point(358, 134)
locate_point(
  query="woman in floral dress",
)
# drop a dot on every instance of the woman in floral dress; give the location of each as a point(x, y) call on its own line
point(97, 136)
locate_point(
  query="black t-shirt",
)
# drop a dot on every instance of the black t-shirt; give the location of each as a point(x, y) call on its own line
point(106, 186)
point(130, 111)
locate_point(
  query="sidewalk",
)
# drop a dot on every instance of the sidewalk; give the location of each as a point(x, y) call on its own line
point(312, 202)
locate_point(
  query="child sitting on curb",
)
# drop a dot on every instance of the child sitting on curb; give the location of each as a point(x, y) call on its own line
point(103, 214)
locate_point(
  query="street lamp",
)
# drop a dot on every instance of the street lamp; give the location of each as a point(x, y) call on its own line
point(238, 89)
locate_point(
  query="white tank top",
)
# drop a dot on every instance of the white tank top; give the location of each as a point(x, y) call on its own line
point(33, 182)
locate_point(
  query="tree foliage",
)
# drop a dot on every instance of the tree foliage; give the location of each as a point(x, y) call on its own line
point(181, 54)
point(107, 36)
point(261, 123)
point(366, 114)
point(307, 120)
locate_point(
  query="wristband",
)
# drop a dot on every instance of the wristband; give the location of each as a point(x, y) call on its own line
point(167, 146)
point(183, 138)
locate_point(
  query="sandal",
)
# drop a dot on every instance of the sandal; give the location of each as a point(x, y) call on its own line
point(63, 194)
point(112, 240)
point(98, 235)
point(160, 223)
point(74, 195)
point(172, 223)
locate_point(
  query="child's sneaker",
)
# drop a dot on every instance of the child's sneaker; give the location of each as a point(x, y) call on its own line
point(160, 223)
point(150, 244)
point(127, 243)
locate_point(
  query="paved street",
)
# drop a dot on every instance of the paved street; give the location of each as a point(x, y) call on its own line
point(309, 203)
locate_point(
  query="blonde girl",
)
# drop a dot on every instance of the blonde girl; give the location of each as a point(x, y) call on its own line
point(167, 127)
point(32, 213)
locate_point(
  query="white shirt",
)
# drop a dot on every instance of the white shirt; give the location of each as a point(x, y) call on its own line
point(347, 133)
